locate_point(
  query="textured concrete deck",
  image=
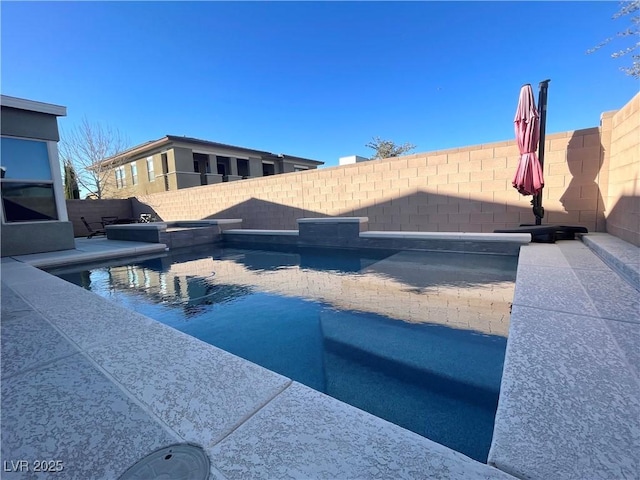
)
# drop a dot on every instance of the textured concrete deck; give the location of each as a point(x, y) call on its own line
point(97, 386)
point(92, 250)
point(620, 256)
point(570, 397)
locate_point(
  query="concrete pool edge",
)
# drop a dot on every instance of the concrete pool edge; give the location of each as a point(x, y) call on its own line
point(516, 423)
point(568, 404)
point(141, 357)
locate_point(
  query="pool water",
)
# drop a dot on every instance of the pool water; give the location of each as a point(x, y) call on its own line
point(416, 338)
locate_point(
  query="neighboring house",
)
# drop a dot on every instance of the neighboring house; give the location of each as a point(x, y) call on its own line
point(352, 159)
point(34, 212)
point(173, 163)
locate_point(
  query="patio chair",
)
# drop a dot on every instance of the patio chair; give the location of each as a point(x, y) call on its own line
point(109, 220)
point(93, 231)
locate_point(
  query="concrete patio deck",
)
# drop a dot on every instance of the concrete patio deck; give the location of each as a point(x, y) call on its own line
point(570, 395)
point(98, 387)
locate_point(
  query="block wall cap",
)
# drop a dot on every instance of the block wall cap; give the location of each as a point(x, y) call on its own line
point(459, 236)
point(249, 231)
point(334, 220)
point(212, 221)
point(161, 226)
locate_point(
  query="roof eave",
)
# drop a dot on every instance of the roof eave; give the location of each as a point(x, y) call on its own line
point(33, 106)
point(137, 150)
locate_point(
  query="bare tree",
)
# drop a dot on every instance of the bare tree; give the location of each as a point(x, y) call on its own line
point(388, 148)
point(630, 10)
point(85, 147)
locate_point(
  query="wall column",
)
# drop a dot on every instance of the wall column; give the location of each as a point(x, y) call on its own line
point(255, 167)
point(233, 166)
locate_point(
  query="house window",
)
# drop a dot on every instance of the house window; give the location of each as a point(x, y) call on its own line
point(223, 165)
point(300, 168)
point(134, 173)
point(27, 181)
point(243, 167)
point(268, 169)
point(120, 177)
point(165, 170)
point(28, 202)
point(152, 175)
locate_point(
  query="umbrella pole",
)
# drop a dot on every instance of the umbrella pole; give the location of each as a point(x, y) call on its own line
point(538, 210)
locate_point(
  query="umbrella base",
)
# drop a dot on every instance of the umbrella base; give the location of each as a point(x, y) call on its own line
point(546, 233)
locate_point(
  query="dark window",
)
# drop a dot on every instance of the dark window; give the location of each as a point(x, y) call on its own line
point(201, 166)
point(27, 184)
point(27, 202)
point(243, 168)
point(165, 170)
point(268, 169)
point(223, 165)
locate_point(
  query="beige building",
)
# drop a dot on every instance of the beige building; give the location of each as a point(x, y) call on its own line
point(173, 163)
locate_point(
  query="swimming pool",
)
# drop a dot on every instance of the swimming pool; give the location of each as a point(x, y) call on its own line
point(417, 338)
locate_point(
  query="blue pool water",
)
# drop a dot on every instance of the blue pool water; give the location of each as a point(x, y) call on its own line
point(416, 338)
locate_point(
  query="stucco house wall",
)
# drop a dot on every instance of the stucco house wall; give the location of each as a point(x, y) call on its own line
point(179, 171)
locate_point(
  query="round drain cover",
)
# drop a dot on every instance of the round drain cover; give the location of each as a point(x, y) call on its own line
point(182, 461)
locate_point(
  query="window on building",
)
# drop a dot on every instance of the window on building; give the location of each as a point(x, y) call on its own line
point(300, 168)
point(134, 173)
point(27, 182)
point(150, 172)
point(120, 177)
point(268, 169)
point(243, 167)
point(28, 202)
point(165, 170)
point(223, 165)
point(201, 166)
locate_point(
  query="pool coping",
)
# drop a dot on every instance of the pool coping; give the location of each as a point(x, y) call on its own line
point(351, 233)
point(280, 392)
point(153, 366)
point(88, 250)
point(569, 405)
point(254, 231)
point(522, 238)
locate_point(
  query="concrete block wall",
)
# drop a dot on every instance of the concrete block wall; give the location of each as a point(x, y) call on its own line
point(591, 179)
point(94, 210)
point(462, 189)
point(622, 184)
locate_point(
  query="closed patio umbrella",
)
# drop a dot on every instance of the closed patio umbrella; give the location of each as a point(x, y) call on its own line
point(528, 179)
point(530, 128)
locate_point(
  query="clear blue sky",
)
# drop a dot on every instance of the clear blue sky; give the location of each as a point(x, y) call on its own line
point(313, 79)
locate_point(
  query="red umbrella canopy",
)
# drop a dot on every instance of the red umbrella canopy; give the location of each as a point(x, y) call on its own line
point(528, 179)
